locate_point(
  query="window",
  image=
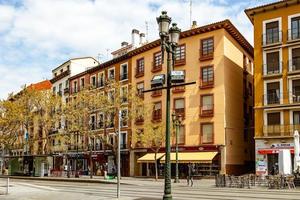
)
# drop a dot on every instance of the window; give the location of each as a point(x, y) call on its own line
point(111, 119)
point(93, 122)
point(250, 88)
point(75, 86)
point(156, 115)
point(101, 120)
point(207, 105)
point(140, 63)
point(207, 76)
point(272, 32)
point(207, 135)
point(111, 74)
point(273, 118)
point(123, 140)
point(179, 107)
point(273, 95)
point(67, 84)
point(59, 89)
point(111, 95)
point(296, 90)
point(93, 81)
point(295, 59)
point(124, 94)
point(296, 118)
point(62, 70)
point(180, 55)
point(273, 63)
point(207, 48)
point(82, 83)
point(157, 62)
point(181, 135)
point(111, 139)
point(101, 79)
point(295, 28)
point(124, 72)
point(54, 89)
point(124, 118)
point(140, 89)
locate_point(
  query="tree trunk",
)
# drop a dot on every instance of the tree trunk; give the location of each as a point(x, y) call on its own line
point(155, 162)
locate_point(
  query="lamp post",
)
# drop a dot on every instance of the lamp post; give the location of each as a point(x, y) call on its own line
point(177, 119)
point(169, 39)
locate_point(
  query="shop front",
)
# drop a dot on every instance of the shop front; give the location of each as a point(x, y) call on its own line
point(267, 155)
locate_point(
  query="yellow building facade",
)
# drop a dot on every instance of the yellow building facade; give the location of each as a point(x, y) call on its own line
point(215, 109)
point(276, 80)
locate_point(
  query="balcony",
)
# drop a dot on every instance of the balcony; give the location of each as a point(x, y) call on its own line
point(123, 76)
point(123, 146)
point(206, 84)
point(272, 69)
point(139, 120)
point(156, 115)
point(156, 93)
point(279, 130)
point(272, 98)
point(178, 89)
point(207, 110)
point(294, 65)
point(274, 37)
point(139, 72)
point(180, 111)
point(156, 67)
point(293, 35)
point(66, 91)
point(100, 125)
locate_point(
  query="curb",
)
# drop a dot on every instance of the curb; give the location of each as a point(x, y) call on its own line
point(63, 180)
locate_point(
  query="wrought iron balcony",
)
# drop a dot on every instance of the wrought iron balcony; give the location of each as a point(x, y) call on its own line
point(280, 130)
point(274, 68)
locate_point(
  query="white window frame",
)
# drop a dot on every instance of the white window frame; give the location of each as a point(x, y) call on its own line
point(273, 111)
point(121, 93)
point(290, 56)
point(98, 119)
point(290, 86)
point(90, 121)
point(265, 22)
point(290, 23)
point(83, 82)
point(280, 89)
point(75, 83)
point(99, 78)
point(91, 82)
point(126, 138)
point(127, 116)
point(265, 60)
point(121, 71)
point(108, 73)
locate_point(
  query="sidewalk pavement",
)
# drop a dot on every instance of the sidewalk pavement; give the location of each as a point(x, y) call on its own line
point(99, 179)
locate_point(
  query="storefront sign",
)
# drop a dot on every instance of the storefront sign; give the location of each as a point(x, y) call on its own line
point(282, 145)
point(261, 165)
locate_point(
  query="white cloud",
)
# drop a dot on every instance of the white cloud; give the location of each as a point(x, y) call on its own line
point(37, 35)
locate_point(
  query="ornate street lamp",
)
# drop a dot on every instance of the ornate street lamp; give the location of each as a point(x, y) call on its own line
point(177, 120)
point(169, 40)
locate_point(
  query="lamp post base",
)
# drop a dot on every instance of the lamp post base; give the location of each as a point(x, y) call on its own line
point(167, 197)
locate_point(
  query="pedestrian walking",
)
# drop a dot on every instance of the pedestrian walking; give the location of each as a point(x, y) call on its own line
point(190, 174)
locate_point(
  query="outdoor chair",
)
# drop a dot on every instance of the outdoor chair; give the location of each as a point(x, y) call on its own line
point(289, 182)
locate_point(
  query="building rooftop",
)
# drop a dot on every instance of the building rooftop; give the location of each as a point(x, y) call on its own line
point(43, 85)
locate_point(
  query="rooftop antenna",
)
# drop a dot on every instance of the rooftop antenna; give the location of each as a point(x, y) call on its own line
point(107, 51)
point(147, 30)
point(191, 6)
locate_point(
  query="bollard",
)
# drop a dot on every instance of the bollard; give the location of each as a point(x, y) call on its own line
point(7, 186)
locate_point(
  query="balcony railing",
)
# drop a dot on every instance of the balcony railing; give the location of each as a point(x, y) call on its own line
point(293, 34)
point(123, 146)
point(66, 90)
point(272, 68)
point(273, 37)
point(207, 110)
point(280, 130)
point(124, 76)
point(156, 115)
point(206, 84)
point(156, 67)
point(139, 72)
point(272, 98)
point(294, 64)
point(180, 111)
point(156, 93)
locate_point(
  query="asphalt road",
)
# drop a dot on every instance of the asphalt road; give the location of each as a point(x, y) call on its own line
point(137, 190)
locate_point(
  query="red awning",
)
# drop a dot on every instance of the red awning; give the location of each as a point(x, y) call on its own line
point(271, 151)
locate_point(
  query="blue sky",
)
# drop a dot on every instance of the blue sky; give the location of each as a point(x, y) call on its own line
point(38, 35)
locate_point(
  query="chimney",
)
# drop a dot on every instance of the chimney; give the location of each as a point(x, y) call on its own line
point(135, 38)
point(124, 44)
point(142, 39)
point(194, 25)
